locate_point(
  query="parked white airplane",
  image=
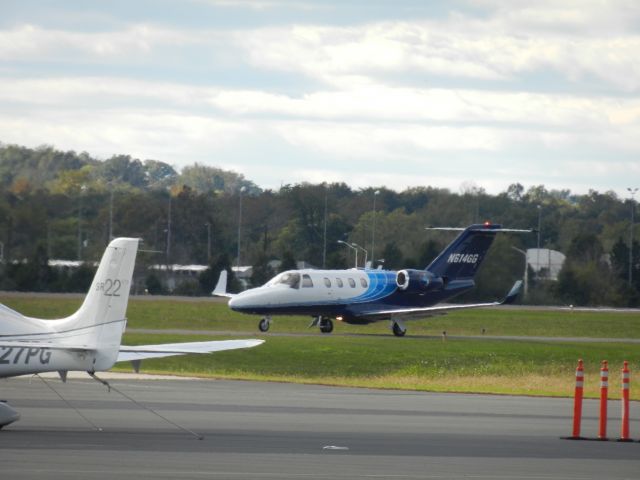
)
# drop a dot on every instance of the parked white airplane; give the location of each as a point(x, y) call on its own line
point(89, 340)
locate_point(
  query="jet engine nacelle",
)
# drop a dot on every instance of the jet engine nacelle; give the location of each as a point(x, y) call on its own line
point(418, 281)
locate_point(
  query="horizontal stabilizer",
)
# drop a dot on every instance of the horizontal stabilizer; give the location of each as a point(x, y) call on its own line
point(481, 229)
point(513, 293)
point(141, 352)
point(49, 345)
point(6, 312)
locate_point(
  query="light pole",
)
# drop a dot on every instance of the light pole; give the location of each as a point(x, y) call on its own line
point(208, 225)
point(169, 231)
point(373, 231)
point(364, 250)
point(352, 248)
point(82, 189)
point(539, 207)
point(526, 270)
point(633, 192)
point(241, 191)
point(324, 236)
point(111, 213)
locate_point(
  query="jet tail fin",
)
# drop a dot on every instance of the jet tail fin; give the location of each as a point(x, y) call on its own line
point(463, 257)
point(221, 286)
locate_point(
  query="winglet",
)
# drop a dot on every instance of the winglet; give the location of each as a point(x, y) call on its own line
point(221, 286)
point(513, 293)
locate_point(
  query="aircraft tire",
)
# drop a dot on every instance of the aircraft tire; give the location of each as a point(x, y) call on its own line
point(326, 325)
point(263, 326)
point(398, 331)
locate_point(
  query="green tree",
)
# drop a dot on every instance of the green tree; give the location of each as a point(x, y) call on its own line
point(153, 285)
point(262, 272)
point(288, 261)
point(393, 259)
point(123, 169)
point(159, 174)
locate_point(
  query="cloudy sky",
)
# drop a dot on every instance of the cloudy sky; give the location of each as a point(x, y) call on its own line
point(394, 93)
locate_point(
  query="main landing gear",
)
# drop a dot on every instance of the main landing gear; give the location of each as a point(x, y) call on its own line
point(398, 328)
point(325, 324)
point(264, 324)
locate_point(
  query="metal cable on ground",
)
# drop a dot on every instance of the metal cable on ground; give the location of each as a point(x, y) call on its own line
point(69, 404)
point(110, 387)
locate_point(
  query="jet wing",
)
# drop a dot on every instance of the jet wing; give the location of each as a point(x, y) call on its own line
point(141, 352)
point(442, 309)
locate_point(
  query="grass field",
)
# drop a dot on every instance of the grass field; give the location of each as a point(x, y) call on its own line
point(211, 314)
point(381, 360)
point(457, 365)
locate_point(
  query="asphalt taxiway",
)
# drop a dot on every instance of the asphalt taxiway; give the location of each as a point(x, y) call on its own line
point(260, 430)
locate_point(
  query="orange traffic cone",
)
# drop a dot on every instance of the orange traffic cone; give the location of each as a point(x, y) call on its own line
point(604, 393)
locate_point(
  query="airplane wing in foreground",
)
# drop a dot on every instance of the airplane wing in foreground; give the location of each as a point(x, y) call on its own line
point(142, 352)
point(442, 309)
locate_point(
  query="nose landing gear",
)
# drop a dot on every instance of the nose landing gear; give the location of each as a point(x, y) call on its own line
point(264, 324)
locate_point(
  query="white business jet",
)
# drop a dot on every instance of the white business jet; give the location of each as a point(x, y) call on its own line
point(361, 297)
point(89, 340)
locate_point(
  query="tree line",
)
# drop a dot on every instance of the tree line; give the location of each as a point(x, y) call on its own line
point(65, 205)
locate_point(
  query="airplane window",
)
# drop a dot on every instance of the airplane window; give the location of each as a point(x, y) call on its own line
point(327, 282)
point(288, 278)
point(339, 282)
point(363, 282)
point(352, 283)
point(306, 281)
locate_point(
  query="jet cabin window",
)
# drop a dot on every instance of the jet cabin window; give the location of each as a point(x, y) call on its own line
point(327, 282)
point(306, 281)
point(363, 282)
point(288, 278)
point(352, 283)
point(339, 282)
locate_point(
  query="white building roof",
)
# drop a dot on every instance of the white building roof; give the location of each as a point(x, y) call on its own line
point(545, 259)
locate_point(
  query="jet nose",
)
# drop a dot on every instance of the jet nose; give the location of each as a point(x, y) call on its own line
point(235, 303)
point(242, 301)
point(247, 301)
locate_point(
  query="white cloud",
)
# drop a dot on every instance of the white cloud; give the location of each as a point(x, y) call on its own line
point(379, 103)
point(28, 41)
point(568, 17)
point(497, 48)
point(575, 40)
point(372, 104)
point(261, 4)
point(364, 122)
point(378, 123)
point(172, 137)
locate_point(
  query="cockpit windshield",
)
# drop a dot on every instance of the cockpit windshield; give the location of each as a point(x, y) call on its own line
point(292, 279)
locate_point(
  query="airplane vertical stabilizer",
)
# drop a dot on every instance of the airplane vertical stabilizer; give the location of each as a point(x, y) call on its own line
point(101, 320)
point(463, 257)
